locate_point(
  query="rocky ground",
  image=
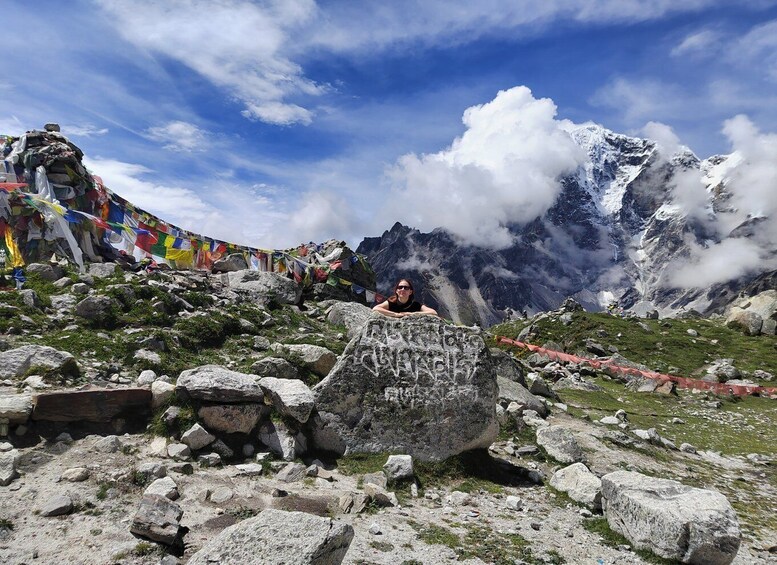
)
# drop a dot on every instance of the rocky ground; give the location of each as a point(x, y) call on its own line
point(79, 488)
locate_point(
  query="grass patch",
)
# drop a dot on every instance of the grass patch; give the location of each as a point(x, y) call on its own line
point(729, 429)
point(382, 546)
point(361, 463)
point(666, 344)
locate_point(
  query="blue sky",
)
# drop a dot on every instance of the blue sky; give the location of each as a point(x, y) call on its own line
point(273, 123)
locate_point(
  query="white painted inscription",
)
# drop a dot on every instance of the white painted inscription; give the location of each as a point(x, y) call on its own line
point(423, 365)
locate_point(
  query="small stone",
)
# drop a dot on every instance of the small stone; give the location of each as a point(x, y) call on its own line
point(687, 448)
point(163, 487)
point(278, 493)
point(513, 502)
point(250, 469)
point(209, 460)
point(221, 495)
point(75, 475)
point(375, 529)
point(178, 451)
point(536, 526)
point(57, 506)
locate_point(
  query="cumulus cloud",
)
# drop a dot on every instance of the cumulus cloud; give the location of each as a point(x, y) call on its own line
point(747, 220)
point(241, 46)
point(664, 136)
point(503, 170)
point(179, 136)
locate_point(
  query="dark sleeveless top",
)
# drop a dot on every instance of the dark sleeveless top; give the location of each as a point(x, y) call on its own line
point(411, 306)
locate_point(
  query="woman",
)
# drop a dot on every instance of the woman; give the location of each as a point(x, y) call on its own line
point(402, 303)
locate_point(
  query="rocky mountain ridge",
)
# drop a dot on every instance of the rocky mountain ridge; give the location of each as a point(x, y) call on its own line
point(615, 233)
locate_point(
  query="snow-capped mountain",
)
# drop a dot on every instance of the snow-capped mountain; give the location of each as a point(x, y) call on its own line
point(617, 232)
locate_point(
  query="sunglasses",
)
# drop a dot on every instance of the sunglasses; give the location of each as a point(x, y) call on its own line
point(403, 287)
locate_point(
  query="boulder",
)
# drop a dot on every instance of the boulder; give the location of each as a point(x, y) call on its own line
point(231, 263)
point(290, 397)
point(163, 486)
point(102, 270)
point(749, 323)
point(560, 444)
point(18, 362)
point(672, 520)
point(98, 308)
point(161, 393)
point(218, 384)
point(282, 441)
point(277, 537)
point(100, 405)
point(507, 367)
point(510, 391)
point(197, 437)
point(274, 367)
point(414, 385)
point(16, 408)
point(232, 418)
point(398, 467)
point(265, 287)
point(580, 484)
point(316, 358)
point(9, 461)
point(46, 272)
point(352, 315)
point(158, 519)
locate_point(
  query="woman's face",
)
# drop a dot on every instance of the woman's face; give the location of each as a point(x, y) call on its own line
point(403, 290)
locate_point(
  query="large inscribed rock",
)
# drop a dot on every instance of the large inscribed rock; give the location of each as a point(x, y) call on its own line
point(415, 385)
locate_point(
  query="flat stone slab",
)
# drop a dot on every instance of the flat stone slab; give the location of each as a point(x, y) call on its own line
point(100, 405)
point(414, 385)
point(277, 537)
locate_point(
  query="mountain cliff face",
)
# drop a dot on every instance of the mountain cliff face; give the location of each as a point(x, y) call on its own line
point(614, 234)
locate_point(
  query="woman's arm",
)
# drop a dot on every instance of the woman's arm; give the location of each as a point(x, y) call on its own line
point(384, 309)
point(427, 310)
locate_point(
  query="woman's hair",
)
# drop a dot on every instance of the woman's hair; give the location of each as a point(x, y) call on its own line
point(395, 298)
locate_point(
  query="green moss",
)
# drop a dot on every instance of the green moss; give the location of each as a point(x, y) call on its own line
point(209, 330)
point(435, 535)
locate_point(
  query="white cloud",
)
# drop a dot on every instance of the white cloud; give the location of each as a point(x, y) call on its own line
point(504, 169)
point(701, 42)
point(84, 130)
point(751, 179)
point(437, 22)
point(645, 99)
point(237, 45)
point(179, 136)
point(721, 262)
point(760, 46)
point(255, 215)
point(664, 136)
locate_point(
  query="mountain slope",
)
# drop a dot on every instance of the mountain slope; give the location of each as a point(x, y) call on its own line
point(614, 233)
